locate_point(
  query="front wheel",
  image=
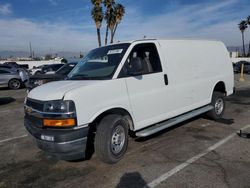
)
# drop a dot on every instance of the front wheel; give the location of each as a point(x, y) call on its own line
point(218, 106)
point(111, 138)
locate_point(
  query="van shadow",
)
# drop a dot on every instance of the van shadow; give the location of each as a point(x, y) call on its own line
point(224, 121)
point(132, 180)
point(6, 100)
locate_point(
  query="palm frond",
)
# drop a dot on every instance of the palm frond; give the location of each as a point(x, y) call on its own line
point(97, 15)
point(248, 20)
point(242, 25)
point(96, 2)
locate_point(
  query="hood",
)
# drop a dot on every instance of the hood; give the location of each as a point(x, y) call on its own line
point(56, 90)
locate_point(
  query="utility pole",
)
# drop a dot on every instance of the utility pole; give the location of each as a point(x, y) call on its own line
point(30, 51)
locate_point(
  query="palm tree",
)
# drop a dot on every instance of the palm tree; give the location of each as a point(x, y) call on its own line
point(97, 15)
point(248, 22)
point(108, 16)
point(242, 27)
point(119, 11)
point(96, 3)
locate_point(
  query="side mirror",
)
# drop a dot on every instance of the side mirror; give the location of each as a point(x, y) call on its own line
point(135, 66)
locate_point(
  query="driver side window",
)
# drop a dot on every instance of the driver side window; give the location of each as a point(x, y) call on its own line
point(149, 56)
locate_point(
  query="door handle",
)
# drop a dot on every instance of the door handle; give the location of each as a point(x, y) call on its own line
point(166, 79)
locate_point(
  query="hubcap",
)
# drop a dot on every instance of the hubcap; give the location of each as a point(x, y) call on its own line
point(118, 139)
point(219, 106)
point(15, 83)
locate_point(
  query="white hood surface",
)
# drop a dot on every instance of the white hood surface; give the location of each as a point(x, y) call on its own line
point(56, 90)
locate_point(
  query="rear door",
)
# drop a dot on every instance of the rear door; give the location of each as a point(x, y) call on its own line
point(147, 91)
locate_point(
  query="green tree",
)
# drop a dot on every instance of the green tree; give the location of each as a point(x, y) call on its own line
point(119, 11)
point(108, 16)
point(113, 15)
point(243, 27)
point(248, 22)
point(97, 16)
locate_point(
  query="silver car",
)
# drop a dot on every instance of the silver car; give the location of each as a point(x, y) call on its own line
point(10, 78)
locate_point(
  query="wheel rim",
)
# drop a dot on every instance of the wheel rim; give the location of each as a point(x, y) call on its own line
point(15, 84)
point(219, 106)
point(118, 139)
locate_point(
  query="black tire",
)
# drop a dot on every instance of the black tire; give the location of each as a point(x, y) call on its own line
point(14, 83)
point(219, 105)
point(112, 128)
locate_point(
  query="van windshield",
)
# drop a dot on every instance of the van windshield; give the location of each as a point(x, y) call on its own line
point(100, 63)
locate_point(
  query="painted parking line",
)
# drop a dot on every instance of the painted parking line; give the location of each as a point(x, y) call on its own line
point(178, 168)
point(13, 138)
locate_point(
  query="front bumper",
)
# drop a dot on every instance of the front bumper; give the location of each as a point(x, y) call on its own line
point(65, 145)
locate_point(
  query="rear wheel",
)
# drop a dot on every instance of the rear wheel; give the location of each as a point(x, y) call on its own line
point(14, 84)
point(111, 138)
point(218, 106)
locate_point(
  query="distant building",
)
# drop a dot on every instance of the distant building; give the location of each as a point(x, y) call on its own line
point(234, 54)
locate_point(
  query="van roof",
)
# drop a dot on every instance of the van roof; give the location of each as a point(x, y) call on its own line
point(165, 39)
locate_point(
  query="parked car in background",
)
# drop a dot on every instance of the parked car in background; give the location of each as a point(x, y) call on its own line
point(10, 78)
point(237, 67)
point(60, 74)
point(53, 67)
point(16, 65)
point(8, 67)
point(36, 70)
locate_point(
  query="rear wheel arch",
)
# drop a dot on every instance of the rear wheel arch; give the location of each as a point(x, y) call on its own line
point(220, 87)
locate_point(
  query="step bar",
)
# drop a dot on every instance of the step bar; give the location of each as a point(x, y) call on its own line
point(170, 122)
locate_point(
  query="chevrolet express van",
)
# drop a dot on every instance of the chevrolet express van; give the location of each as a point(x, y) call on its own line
point(142, 86)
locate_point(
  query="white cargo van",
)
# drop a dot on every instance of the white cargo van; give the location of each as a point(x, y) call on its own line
point(142, 86)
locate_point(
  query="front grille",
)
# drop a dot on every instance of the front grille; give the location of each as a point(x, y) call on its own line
point(37, 105)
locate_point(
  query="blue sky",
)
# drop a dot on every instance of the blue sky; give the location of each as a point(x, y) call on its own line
point(64, 25)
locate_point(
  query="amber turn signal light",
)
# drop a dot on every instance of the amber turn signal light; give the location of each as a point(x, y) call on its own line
point(59, 122)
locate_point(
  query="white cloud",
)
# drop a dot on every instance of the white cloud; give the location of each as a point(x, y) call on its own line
point(15, 34)
point(54, 2)
point(205, 20)
point(213, 21)
point(5, 9)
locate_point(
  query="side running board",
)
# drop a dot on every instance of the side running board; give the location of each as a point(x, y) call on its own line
point(170, 122)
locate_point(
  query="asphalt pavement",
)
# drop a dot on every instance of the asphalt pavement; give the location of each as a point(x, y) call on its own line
point(197, 153)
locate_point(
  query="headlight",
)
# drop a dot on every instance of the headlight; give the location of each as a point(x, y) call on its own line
point(59, 106)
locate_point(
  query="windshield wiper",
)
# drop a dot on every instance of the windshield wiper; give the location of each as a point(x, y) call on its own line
point(80, 77)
